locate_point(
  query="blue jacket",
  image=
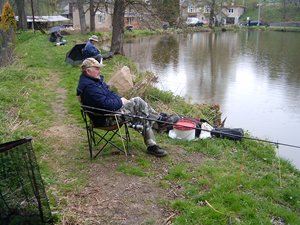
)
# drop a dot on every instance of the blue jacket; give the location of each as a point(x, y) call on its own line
point(90, 50)
point(96, 93)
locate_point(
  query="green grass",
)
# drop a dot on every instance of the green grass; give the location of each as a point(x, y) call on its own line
point(236, 183)
point(273, 14)
point(239, 186)
point(139, 33)
point(131, 170)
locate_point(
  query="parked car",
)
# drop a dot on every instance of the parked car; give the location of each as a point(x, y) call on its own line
point(165, 25)
point(255, 23)
point(129, 28)
point(243, 23)
point(194, 22)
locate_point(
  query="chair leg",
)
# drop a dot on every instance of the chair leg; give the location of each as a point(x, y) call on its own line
point(91, 139)
point(105, 144)
point(108, 141)
point(127, 136)
point(127, 132)
point(95, 139)
point(89, 133)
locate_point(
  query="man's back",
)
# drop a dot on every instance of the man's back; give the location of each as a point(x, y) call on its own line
point(90, 50)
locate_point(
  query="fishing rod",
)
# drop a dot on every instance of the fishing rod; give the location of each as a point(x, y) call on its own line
point(116, 113)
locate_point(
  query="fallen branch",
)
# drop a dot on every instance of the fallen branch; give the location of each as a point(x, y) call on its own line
point(169, 218)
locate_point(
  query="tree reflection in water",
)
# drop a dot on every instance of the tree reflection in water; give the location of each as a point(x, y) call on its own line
point(166, 51)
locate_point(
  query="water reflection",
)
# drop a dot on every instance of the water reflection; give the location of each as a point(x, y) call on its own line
point(254, 76)
point(165, 52)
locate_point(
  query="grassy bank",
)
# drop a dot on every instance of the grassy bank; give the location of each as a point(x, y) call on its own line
point(215, 181)
point(273, 14)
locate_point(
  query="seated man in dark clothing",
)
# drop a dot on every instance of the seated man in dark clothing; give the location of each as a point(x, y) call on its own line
point(56, 37)
point(90, 50)
point(94, 92)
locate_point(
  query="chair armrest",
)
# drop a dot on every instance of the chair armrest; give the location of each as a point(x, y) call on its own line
point(101, 114)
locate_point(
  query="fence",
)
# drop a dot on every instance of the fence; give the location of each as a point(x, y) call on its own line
point(23, 198)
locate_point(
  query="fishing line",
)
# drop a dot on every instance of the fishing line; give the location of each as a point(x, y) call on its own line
point(170, 123)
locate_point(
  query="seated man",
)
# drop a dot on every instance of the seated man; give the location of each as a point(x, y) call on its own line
point(94, 92)
point(56, 37)
point(90, 50)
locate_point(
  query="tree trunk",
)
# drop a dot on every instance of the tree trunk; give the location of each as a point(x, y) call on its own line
point(7, 35)
point(1, 5)
point(22, 24)
point(81, 17)
point(92, 16)
point(212, 14)
point(284, 10)
point(118, 27)
point(70, 16)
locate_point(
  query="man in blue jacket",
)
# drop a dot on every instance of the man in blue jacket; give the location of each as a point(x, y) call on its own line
point(90, 50)
point(94, 92)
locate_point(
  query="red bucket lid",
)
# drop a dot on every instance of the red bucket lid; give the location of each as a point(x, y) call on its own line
point(185, 125)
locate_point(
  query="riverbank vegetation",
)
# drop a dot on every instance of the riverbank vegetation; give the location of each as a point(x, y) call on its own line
point(212, 181)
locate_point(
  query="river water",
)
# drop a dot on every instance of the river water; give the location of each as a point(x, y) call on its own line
point(253, 75)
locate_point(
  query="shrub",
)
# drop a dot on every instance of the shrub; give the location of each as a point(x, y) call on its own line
point(7, 34)
point(8, 20)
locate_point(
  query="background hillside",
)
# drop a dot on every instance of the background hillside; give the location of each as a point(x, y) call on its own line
point(273, 14)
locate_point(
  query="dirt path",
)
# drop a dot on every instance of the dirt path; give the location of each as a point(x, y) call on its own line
point(112, 197)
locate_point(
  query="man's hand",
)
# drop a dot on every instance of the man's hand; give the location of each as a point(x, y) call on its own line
point(124, 100)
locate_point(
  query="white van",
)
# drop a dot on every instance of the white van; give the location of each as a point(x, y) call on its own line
point(193, 21)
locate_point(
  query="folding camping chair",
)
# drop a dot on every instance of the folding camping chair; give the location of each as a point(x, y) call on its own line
point(102, 136)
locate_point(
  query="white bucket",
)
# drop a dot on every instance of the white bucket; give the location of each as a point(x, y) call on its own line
point(185, 130)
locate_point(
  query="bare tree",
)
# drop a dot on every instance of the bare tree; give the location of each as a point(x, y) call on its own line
point(284, 10)
point(1, 4)
point(212, 13)
point(167, 10)
point(92, 16)
point(118, 21)
point(7, 34)
point(118, 27)
point(215, 13)
point(83, 28)
point(22, 24)
point(94, 6)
